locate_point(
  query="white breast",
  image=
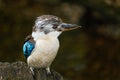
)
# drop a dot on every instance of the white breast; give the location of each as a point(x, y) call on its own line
point(44, 53)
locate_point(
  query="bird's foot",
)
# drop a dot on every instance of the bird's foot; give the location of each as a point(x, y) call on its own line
point(32, 71)
point(48, 72)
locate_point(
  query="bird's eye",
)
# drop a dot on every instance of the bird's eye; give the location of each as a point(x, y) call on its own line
point(55, 26)
point(41, 27)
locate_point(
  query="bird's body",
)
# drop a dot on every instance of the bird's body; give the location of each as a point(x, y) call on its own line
point(41, 47)
point(44, 52)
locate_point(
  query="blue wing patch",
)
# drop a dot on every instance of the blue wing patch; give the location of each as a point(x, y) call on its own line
point(28, 48)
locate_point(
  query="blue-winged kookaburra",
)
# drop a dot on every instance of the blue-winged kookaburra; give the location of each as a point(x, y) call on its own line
point(41, 47)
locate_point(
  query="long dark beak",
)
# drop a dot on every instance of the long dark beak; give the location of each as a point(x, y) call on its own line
point(67, 27)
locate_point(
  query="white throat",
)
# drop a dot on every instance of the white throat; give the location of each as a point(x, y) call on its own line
point(41, 35)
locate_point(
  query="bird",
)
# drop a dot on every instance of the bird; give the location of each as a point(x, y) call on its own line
point(41, 46)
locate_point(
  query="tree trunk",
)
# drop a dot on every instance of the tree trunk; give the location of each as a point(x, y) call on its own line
point(20, 71)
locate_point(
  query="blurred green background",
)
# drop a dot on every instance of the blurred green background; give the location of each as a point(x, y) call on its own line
point(90, 53)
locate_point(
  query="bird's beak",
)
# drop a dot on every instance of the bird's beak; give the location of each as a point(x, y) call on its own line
point(67, 27)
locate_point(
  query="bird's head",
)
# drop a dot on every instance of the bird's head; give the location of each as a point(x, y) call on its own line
point(47, 26)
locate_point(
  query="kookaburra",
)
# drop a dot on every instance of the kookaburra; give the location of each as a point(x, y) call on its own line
point(41, 46)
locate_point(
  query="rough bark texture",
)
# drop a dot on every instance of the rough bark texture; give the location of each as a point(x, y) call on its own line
point(20, 71)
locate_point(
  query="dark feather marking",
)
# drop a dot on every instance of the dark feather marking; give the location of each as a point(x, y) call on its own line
point(29, 38)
